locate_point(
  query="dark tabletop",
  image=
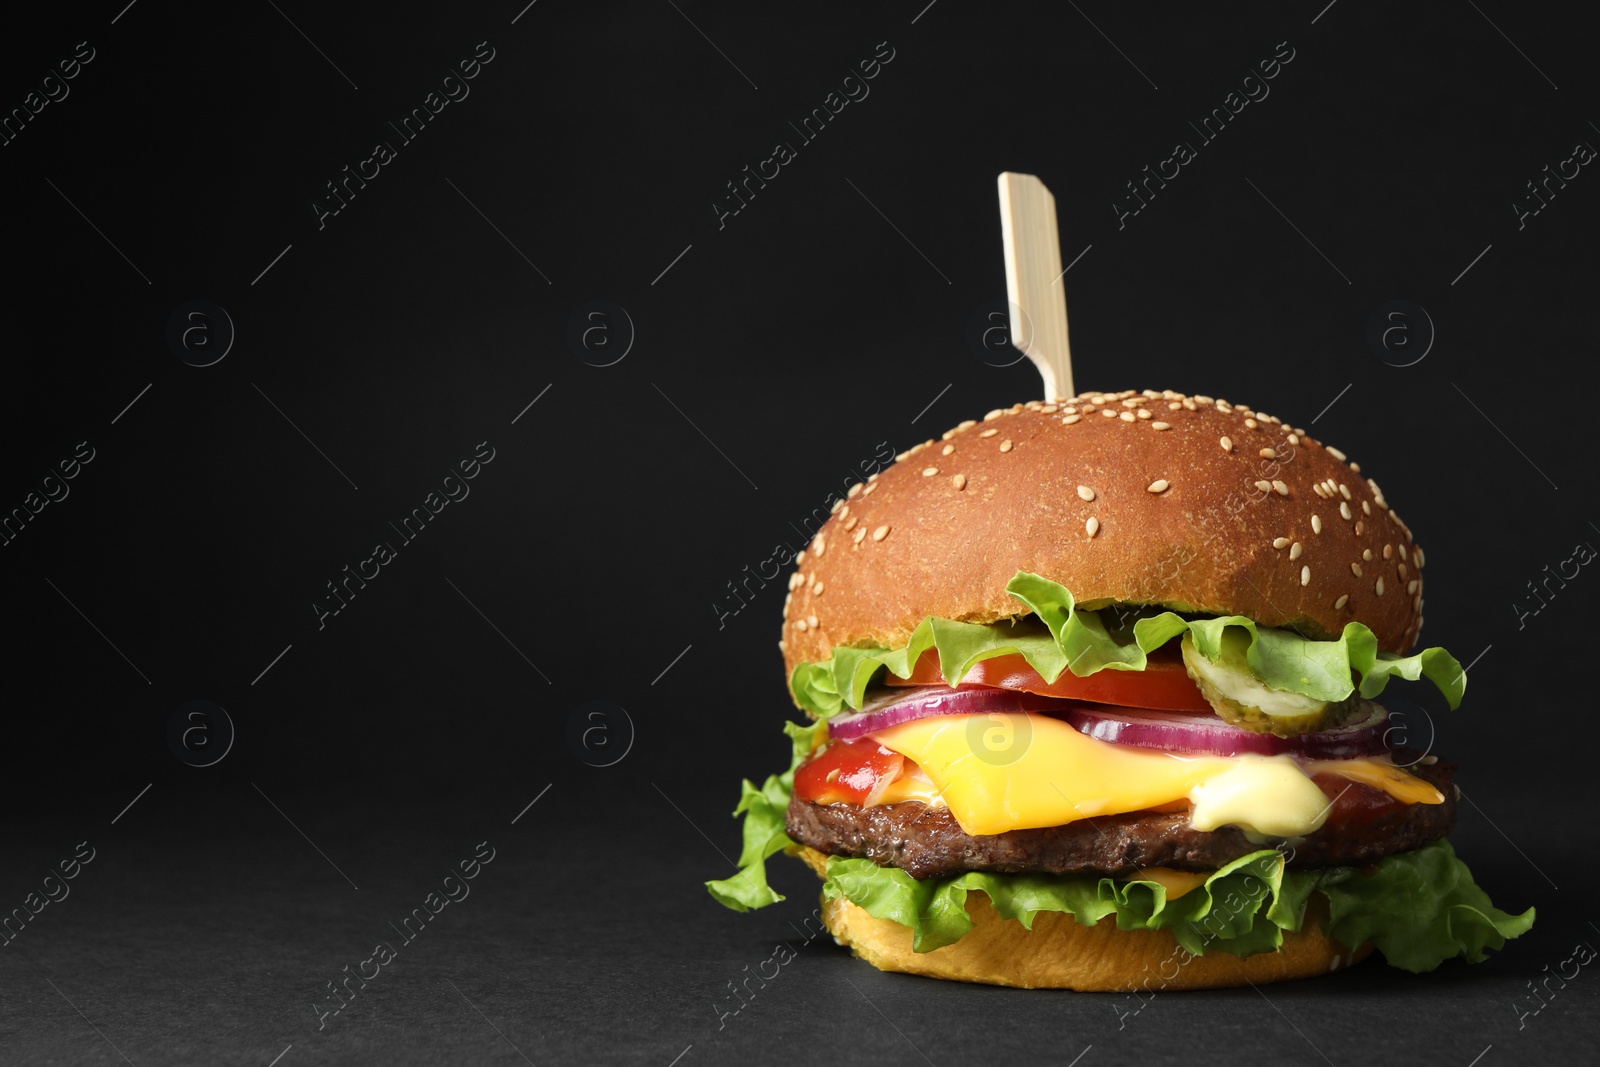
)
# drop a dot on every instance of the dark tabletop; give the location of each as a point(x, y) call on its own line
point(402, 403)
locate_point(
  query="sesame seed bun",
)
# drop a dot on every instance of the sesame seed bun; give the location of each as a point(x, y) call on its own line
point(1184, 502)
point(1062, 953)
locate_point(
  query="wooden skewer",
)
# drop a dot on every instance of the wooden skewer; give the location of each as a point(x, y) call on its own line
point(1033, 271)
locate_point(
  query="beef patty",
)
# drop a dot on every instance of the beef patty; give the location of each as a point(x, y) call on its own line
point(925, 842)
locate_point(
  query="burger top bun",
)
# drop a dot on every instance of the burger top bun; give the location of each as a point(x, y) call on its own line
point(1140, 498)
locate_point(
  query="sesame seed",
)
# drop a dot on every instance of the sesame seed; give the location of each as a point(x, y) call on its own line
point(1402, 570)
point(1305, 575)
point(966, 424)
point(1411, 587)
point(858, 535)
point(1280, 542)
point(995, 414)
point(1174, 406)
point(796, 580)
point(947, 449)
point(1366, 554)
point(990, 432)
point(1088, 409)
point(819, 546)
point(1344, 511)
point(1388, 551)
point(816, 588)
point(1344, 490)
point(929, 472)
point(1126, 416)
point(1160, 426)
point(1344, 598)
point(1280, 488)
point(1143, 413)
point(1069, 410)
point(1200, 398)
point(1251, 424)
point(1085, 493)
point(1265, 487)
point(1049, 409)
point(1316, 524)
point(799, 557)
point(871, 485)
point(800, 624)
point(1130, 404)
point(1295, 550)
point(1109, 413)
point(1429, 761)
point(1091, 527)
point(837, 504)
point(1188, 403)
point(1356, 467)
point(1006, 445)
point(1366, 508)
point(1069, 420)
point(1334, 452)
point(1268, 453)
point(1359, 525)
point(1294, 439)
point(1416, 557)
point(959, 481)
point(853, 490)
point(850, 523)
point(1377, 587)
point(1355, 569)
point(1158, 486)
point(880, 533)
point(1226, 443)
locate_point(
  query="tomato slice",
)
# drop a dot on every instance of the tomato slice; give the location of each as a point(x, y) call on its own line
point(855, 772)
point(1163, 685)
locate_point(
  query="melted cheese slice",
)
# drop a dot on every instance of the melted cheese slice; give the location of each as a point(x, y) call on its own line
point(999, 772)
point(1016, 771)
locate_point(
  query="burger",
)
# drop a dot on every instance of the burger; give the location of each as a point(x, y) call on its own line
point(1093, 700)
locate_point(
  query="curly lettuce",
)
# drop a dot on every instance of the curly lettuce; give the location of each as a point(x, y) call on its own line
point(1418, 908)
point(1062, 637)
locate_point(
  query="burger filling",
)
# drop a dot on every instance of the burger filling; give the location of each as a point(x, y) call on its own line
point(1069, 763)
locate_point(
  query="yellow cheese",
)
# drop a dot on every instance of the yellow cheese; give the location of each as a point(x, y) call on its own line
point(1263, 794)
point(1000, 772)
point(1176, 883)
point(913, 785)
point(1380, 773)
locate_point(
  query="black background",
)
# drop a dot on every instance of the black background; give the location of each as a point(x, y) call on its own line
point(773, 353)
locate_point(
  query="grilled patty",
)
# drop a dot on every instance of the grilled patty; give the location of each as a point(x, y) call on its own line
point(926, 842)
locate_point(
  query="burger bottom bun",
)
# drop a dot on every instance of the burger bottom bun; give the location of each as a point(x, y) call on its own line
point(1061, 953)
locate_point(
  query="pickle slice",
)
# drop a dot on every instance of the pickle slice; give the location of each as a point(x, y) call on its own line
point(1243, 700)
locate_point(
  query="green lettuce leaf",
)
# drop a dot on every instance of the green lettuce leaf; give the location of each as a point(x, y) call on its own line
point(1222, 913)
point(1283, 659)
point(764, 829)
point(1419, 908)
point(1450, 914)
point(1062, 637)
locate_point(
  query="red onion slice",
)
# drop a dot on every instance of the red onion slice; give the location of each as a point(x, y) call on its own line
point(906, 705)
point(1207, 735)
point(1167, 731)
